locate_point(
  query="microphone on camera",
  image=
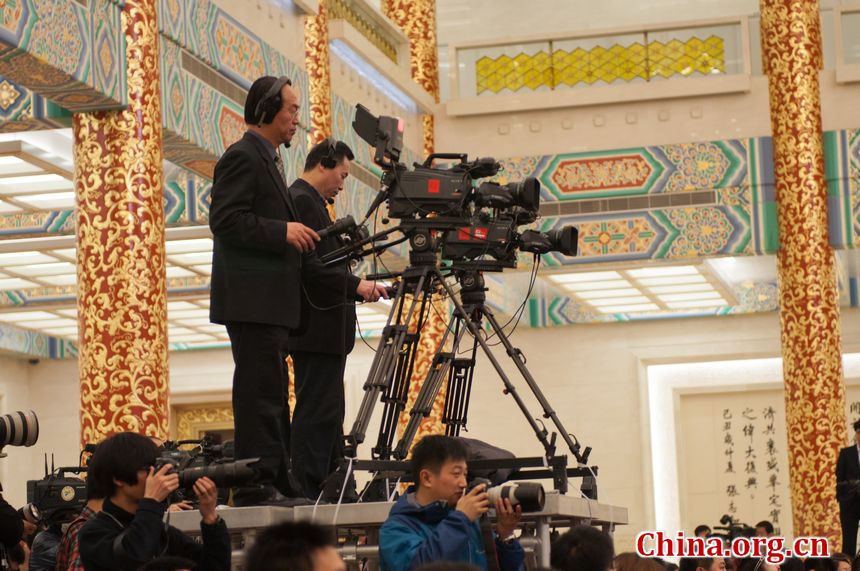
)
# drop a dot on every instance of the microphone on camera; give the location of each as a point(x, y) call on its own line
point(330, 200)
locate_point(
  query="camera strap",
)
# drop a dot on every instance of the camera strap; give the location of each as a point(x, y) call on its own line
point(489, 543)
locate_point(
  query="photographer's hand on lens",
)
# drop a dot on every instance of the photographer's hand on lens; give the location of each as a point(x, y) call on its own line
point(507, 518)
point(474, 504)
point(207, 494)
point(301, 237)
point(161, 484)
point(371, 291)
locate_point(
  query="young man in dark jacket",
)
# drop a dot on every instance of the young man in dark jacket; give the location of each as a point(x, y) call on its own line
point(436, 521)
point(129, 530)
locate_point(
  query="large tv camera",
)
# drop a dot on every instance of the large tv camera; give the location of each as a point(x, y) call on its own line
point(57, 498)
point(205, 459)
point(442, 210)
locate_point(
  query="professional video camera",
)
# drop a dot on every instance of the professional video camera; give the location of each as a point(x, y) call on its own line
point(732, 528)
point(206, 460)
point(58, 497)
point(529, 496)
point(442, 210)
point(456, 228)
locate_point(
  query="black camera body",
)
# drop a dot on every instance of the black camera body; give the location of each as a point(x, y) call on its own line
point(456, 218)
point(57, 498)
point(205, 460)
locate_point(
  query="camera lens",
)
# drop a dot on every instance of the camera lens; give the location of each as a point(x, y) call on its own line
point(21, 428)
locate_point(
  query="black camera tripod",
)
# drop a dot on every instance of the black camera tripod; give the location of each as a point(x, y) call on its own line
point(393, 365)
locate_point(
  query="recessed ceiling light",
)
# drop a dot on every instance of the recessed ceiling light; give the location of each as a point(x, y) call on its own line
point(584, 277)
point(659, 272)
point(697, 304)
point(50, 200)
point(186, 246)
point(628, 308)
point(681, 288)
point(690, 296)
point(172, 305)
point(193, 258)
point(47, 269)
point(24, 258)
point(177, 272)
point(603, 294)
point(674, 280)
point(66, 279)
point(11, 316)
point(592, 286)
point(15, 283)
point(632, 300)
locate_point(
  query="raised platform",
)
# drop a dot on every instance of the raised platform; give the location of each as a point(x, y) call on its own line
point(365, 519)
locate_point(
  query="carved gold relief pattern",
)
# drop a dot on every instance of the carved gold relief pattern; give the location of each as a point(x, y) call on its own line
point(192, 422)
point(809, 314)
point(319, 74)
point(417, 19)
point(345, 10)
point(122, 307)
point(429, 134)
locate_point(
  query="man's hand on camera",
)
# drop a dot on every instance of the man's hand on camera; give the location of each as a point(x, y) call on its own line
point(301, 237)
point(207, 493)
point(160, 484)
point(371, 291)
point(475, 503)
point(507, 518)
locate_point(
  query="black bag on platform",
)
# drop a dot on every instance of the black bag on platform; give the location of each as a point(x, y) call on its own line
point(480, 450)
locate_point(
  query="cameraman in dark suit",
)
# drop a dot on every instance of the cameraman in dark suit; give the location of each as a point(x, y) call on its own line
point(257, 270)
point(848, 492)
point(327, 334)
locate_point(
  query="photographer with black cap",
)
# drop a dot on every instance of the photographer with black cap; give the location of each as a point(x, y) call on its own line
point(129, 531)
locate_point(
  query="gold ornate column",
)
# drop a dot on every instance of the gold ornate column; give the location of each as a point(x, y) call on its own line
point(122, 309)
point(317, 62)
point(417, 20)
point(809, 310)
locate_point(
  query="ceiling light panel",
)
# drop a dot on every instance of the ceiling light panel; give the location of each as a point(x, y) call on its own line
point(188, 246)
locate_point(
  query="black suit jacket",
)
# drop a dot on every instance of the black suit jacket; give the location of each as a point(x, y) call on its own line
point(848, 470)
point(328, 323)
point(256, 274)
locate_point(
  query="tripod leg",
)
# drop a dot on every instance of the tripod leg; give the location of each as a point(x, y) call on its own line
point(475, 330)
point(459, 392)
point(397, 395)
point(517, 357)
point(423, 405)
point(381, 370)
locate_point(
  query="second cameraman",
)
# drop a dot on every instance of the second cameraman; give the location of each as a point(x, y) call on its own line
point(129, 530)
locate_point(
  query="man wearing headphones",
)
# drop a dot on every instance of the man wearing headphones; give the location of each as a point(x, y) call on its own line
point(327, 334)
point(261, 256)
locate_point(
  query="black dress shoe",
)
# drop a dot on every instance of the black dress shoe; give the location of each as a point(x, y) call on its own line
point(266, 496)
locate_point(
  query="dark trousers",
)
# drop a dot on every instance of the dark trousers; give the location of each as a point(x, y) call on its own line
point(317, 432)
point(849, 516)
point(261, 409)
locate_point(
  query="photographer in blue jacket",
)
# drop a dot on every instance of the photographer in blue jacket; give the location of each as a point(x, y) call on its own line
point(437, 521)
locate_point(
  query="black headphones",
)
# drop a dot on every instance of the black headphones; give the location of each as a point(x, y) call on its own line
point(269, 105)
point(328, 160)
